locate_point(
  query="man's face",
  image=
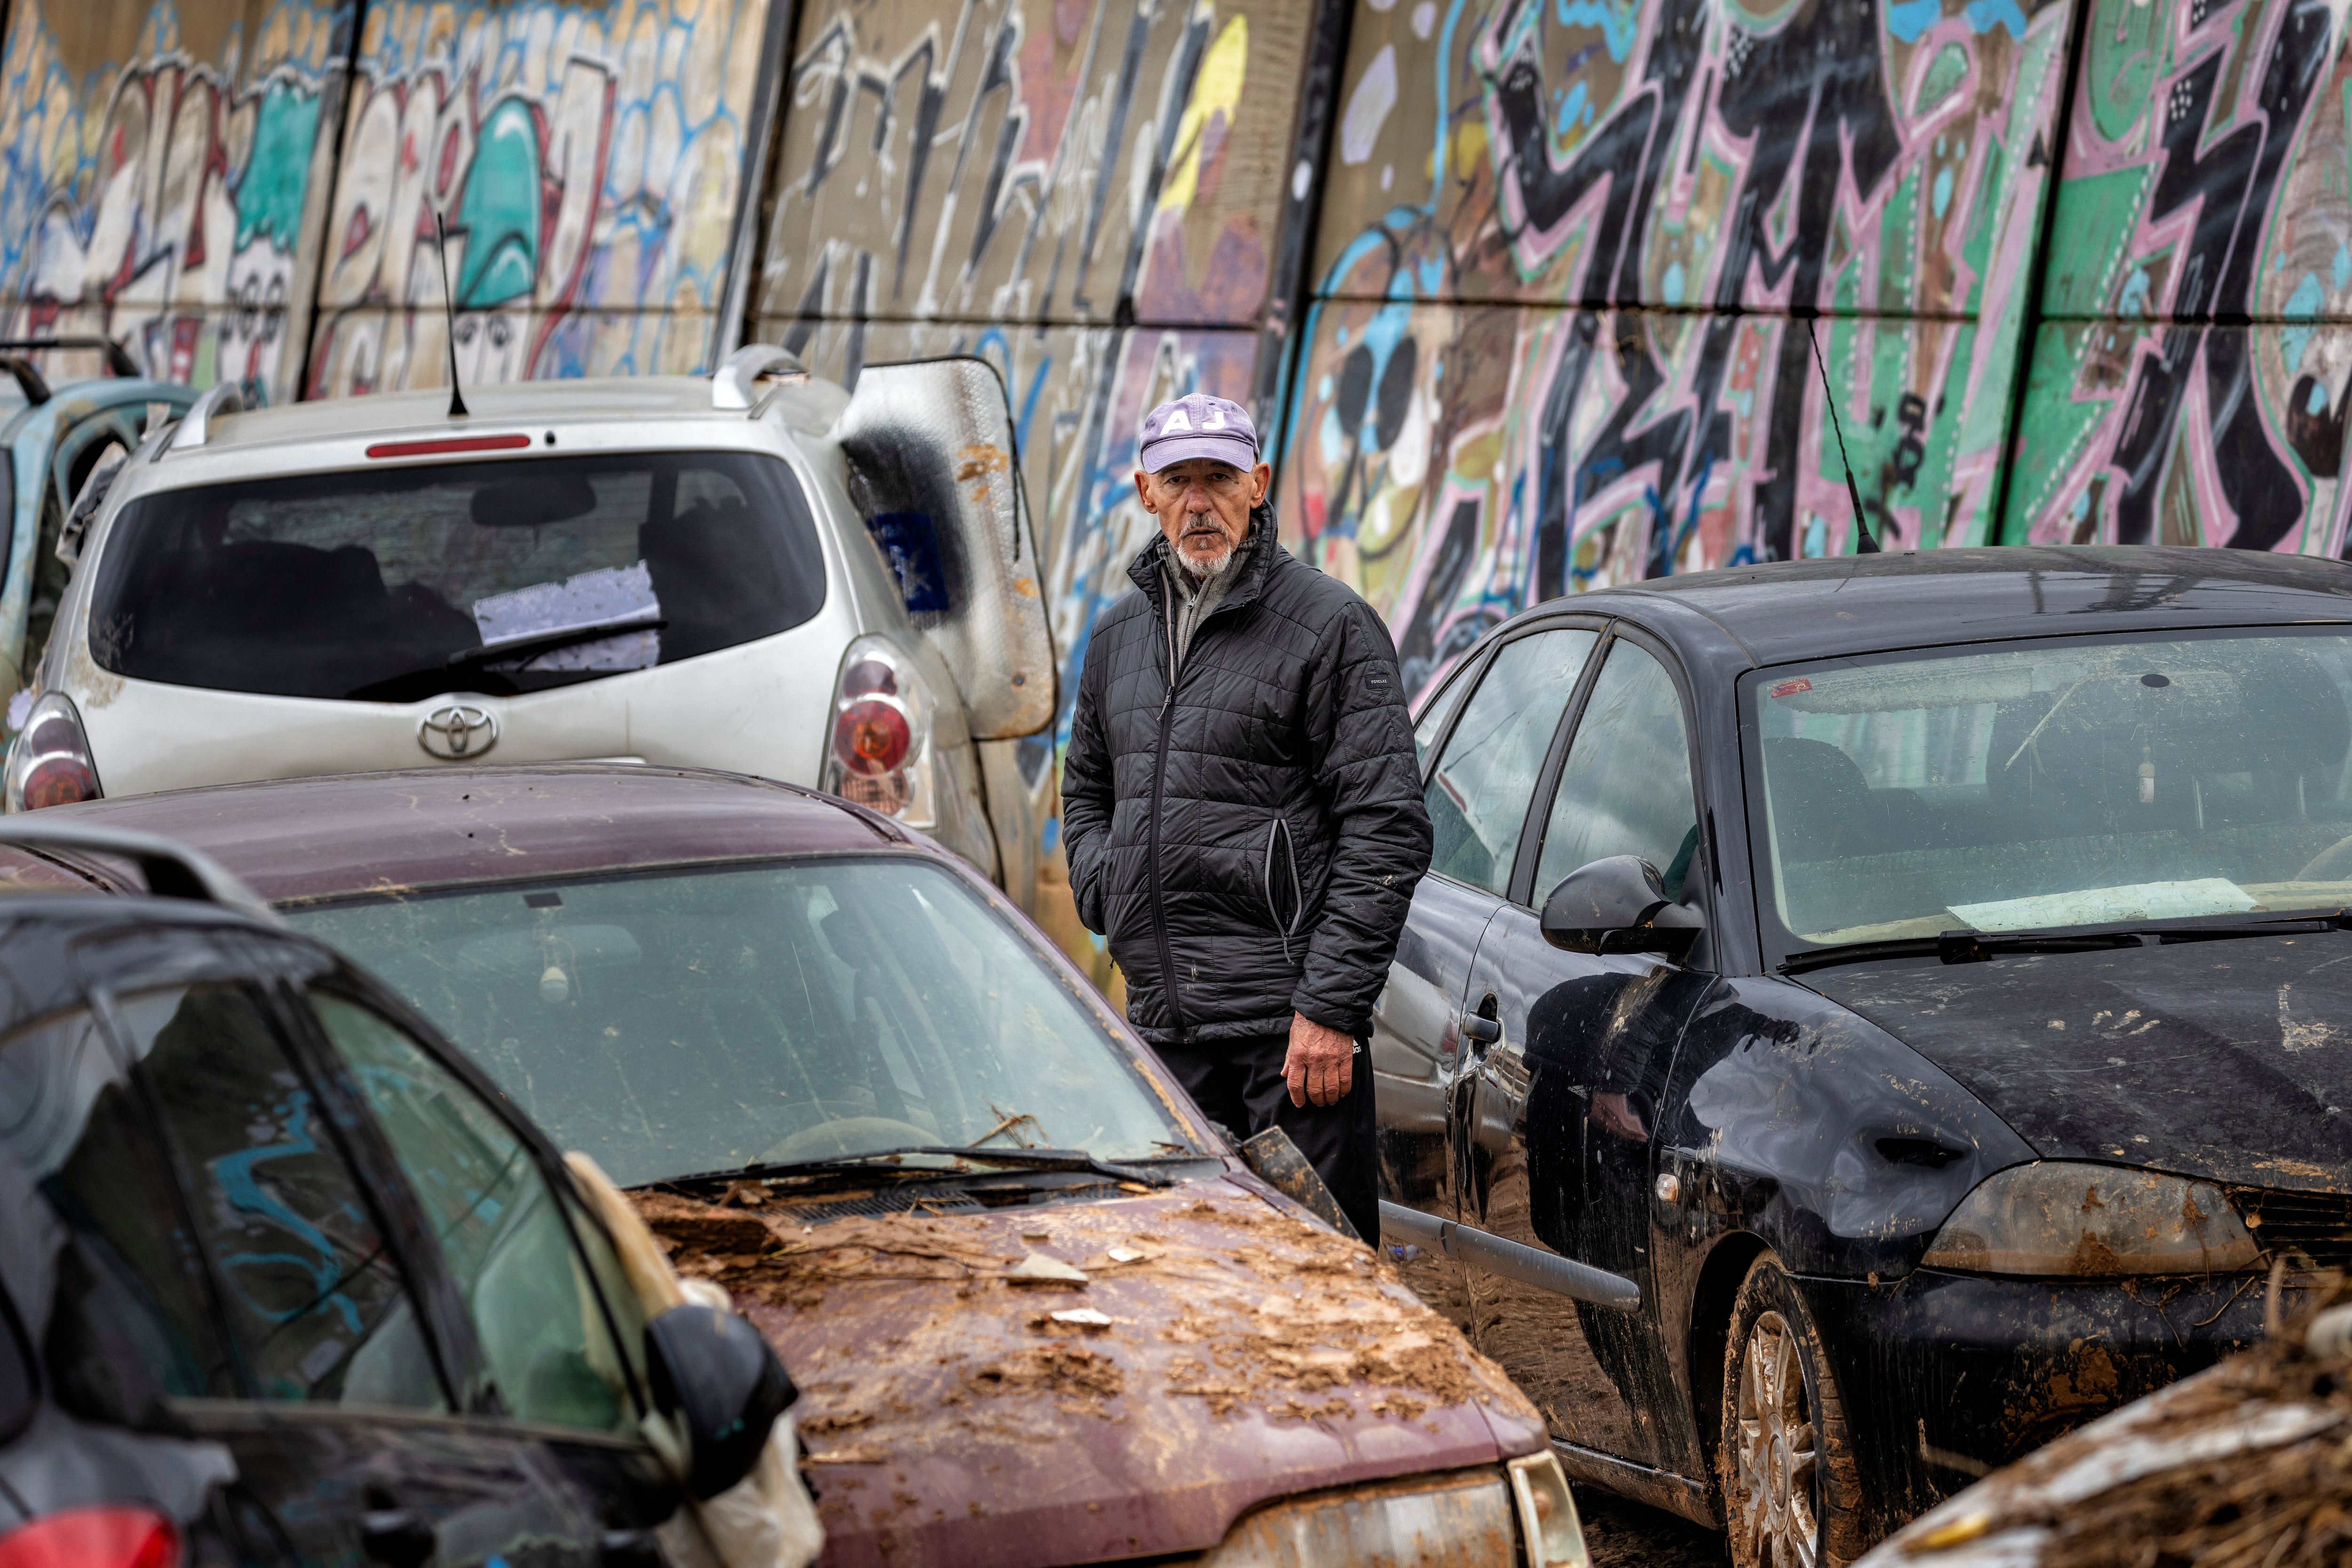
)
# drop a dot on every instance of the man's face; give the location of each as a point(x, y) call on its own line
point(1203, 507)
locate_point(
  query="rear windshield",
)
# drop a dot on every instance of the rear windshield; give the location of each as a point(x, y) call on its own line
point(394, 584)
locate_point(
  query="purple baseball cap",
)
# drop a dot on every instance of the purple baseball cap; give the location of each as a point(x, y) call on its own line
point(1198, 426)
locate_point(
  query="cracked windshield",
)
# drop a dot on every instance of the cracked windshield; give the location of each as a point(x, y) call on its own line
point(676, 1023)
point(2068, 785)
point(394, 584)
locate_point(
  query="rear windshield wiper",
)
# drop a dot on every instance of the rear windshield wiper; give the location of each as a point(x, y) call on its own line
point(1979, 946)
point(884, 1161)
point(547, 642)
point(434, 678)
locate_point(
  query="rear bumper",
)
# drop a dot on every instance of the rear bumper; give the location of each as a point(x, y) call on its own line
point(1937, 1368)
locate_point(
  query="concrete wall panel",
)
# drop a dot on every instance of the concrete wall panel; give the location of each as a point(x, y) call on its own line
point(2191, 382)
point(163, 174)
point(588, 162)
point(1694, 154)
point(1021, 160)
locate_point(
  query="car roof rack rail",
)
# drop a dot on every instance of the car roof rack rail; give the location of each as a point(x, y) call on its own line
point(195, 425)
point(173, 870)
point(29, 380)
point(118, 358)
point(731, 384)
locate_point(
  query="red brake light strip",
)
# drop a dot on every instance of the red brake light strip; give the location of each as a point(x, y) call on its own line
point(447, 445)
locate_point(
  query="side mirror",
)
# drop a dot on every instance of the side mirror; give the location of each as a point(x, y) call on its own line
point(1619, 905)
point(933, 469)
point(719, 1376)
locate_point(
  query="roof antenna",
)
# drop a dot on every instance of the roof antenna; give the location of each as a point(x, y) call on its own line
point(449, 317)
point(1862, 544)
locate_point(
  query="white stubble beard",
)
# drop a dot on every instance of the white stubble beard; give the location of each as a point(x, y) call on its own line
point(1201, 571)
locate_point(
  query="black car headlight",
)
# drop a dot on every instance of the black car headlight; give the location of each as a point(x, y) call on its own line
point(2068, 1219)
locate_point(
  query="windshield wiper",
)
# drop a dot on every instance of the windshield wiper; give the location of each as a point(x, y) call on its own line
point(886, 1160)
point(434, 678)
point(547, 642)
point(1981, 946)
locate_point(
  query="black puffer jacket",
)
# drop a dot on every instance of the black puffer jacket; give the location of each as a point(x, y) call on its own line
point(1255, 833)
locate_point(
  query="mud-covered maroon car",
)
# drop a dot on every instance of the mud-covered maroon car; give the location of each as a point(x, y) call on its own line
point(1039, 1310)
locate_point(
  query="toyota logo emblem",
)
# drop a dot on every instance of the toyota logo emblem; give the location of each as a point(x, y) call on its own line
point(455, 730)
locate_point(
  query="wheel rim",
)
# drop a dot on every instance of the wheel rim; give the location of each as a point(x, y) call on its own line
point(1774, 1457)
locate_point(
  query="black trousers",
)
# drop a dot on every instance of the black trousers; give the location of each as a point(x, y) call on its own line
point(1240, 1084)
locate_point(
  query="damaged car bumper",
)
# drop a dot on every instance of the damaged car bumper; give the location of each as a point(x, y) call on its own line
point(1966, 1373)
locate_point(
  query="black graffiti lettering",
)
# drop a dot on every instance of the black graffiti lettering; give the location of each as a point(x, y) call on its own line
point(2233, 181)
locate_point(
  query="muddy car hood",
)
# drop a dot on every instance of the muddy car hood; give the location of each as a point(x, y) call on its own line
point(950, 1417)
point(2226, 1059)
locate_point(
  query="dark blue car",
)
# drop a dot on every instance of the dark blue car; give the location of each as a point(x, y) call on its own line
point(1869, 1015)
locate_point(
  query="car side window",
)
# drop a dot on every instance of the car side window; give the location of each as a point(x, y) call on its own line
point(1625, 788)
point(129, 1279)
point(1439, 708)
point(1478, 797)
point(316, 1307)
point(534, 1296)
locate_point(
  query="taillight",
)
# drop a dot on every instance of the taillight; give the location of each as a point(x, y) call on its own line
point(871, 737)
point(879, 747)
point(109, 1536)
point(49, 762)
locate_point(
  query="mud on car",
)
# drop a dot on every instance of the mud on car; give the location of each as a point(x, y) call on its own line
point(1039, 1312)
point(1866, 1017)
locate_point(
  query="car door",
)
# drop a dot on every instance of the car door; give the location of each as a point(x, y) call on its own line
point(1554, 1120)
point(1478, 792)
point(223, 1243)
point(558, 1368)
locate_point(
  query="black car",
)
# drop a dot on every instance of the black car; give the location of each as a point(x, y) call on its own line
point(1869, 1015)
point(285, 1281)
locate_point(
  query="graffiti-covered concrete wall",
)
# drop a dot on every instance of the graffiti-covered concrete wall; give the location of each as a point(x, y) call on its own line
point(2188, 384)
point(589, 161)
point(163, 173)
point(1570, 265)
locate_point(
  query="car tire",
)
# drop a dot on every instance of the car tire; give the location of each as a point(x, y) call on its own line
point(1792, 1495)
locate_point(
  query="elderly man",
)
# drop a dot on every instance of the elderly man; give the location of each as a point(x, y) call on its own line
point(1241, 805)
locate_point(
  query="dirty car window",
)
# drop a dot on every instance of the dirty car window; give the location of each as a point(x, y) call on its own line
point(317, 1305)
point(539, 1321)
point(678, 1022)
point(2056, 785)
point(372, 585)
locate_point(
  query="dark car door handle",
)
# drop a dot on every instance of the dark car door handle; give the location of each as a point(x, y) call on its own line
point(397, 1537)
point(1481, 1031)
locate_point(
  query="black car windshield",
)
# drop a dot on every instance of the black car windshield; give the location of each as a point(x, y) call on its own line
point(397, 583)
point(673, 1022)
point(2062, 784)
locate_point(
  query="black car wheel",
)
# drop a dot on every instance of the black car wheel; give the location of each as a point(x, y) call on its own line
point(1790, 1498)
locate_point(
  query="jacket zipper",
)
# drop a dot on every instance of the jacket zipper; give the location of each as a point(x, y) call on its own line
point(1159, 783)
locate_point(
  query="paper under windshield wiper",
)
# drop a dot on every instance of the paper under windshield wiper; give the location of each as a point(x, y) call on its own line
point(884, 1161)
point(547, 642)
point(1977, 946)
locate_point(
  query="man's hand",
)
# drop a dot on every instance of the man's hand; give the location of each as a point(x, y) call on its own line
point(1321, 1065)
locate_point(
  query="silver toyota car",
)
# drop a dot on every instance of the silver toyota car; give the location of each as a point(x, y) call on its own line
point(753, 571)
